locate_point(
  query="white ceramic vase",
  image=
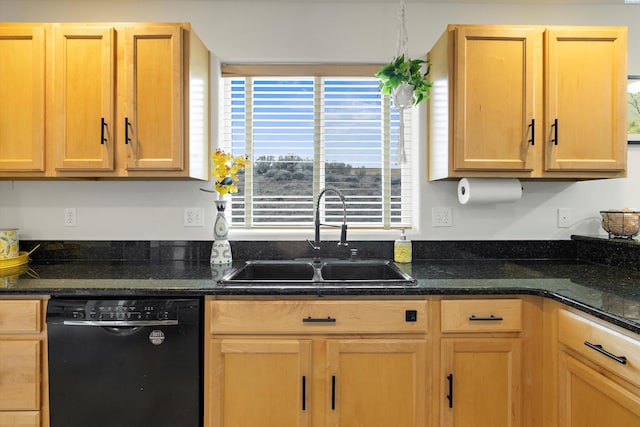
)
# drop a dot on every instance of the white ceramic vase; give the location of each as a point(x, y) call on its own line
point(221, 249)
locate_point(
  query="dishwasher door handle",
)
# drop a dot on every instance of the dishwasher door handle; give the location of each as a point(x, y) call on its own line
point(121, 323)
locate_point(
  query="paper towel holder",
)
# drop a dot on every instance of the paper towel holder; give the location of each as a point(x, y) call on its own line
point(489, 190)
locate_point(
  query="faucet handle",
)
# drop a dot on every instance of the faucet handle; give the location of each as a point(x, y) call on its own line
point(314, 245)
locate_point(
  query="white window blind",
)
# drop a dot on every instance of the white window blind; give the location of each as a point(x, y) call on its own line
point(304, 134)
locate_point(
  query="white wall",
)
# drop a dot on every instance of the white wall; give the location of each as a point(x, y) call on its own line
point(249, 31)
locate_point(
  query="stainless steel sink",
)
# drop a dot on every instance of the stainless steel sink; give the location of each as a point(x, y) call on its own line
point(326, 272)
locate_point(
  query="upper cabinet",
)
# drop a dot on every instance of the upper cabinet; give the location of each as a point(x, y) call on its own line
point(84, 99)
point(122, 100)
point(22, 99)
point(528, 102)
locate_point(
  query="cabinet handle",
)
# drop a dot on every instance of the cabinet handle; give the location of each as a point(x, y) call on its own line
point(533, 132)
point(491, 318)
point(555, 132)
point(599, 349)
point(102, 135)
point(333, 393)
point(127, 124)
point(304, 392)
point(450, 395)
point(327, 319)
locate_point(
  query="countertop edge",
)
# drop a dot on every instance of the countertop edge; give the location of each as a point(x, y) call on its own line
point(321, 292)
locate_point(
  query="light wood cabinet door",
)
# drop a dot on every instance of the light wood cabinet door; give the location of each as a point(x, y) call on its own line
point(22, 98)
point(481, 382)
point(259, 382)
point(588, 398)
point(585, 112)
point(494, 98)
point(153, 113)
point(19, 375)
point(84, 98)
point(376, 382)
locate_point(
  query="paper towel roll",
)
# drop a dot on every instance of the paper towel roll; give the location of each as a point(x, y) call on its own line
point(472, 191)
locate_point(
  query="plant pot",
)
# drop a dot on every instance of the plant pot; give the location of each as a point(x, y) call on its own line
point(403, 96)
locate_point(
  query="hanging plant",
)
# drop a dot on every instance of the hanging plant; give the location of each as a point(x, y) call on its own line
point(405, 72)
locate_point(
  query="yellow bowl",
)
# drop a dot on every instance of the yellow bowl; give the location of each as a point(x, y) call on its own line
point(21, 259)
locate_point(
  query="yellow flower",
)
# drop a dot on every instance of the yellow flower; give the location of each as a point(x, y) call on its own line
point(225, 171)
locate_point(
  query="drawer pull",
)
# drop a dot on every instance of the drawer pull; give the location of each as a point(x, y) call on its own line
point(599, 349)
point(450, 395)
point(491, 318)
point(327, 319)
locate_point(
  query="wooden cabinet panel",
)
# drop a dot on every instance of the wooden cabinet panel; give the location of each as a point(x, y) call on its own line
point(587, 398)
point(154, 79)
point(601, 345)
point(20, 419)
point(22, 101)
point(494, 93)
point(489, 315)
point(260, 382)
point(586, 79)
point(376, 383)
point(19, 375)
point(311, 317)
point(84, 98)
point(20, 316)
point(481, 382)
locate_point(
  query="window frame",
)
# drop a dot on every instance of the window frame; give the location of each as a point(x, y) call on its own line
point(247, 70)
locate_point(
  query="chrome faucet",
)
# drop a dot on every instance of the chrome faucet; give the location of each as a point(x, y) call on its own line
point(343, 228)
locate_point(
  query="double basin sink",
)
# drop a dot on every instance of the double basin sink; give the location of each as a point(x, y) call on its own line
point(324, 272)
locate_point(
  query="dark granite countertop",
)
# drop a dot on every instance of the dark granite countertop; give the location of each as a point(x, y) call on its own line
point(609, 292)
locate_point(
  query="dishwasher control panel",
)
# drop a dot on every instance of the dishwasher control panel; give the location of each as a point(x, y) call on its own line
point(122, 312)
point(105, 311)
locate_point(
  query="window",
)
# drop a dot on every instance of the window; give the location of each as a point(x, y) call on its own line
point(305, 133)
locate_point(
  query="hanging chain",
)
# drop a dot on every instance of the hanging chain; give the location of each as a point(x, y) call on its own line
point(403, 38)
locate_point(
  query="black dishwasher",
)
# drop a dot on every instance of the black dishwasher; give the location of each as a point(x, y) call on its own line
point(125, 363)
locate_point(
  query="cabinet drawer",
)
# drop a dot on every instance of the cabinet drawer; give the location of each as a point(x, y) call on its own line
point(322, 317)
point(617, 352)
point(19, 316)
point(481, 315)
point(20, 419)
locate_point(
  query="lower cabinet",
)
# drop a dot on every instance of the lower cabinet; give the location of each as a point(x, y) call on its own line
point(376, 382)
point(332, 370)
point(598, 374)
point(483, 380)
point(481, 363)
point(589, 398)
point(258, 382)
point(23, 391)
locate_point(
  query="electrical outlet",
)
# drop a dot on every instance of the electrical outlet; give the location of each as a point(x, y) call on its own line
point(70, 217)
point(441, 216)
point(193, 217)
point(564, 217)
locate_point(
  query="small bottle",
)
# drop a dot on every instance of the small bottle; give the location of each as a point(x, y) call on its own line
point(402, 249)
